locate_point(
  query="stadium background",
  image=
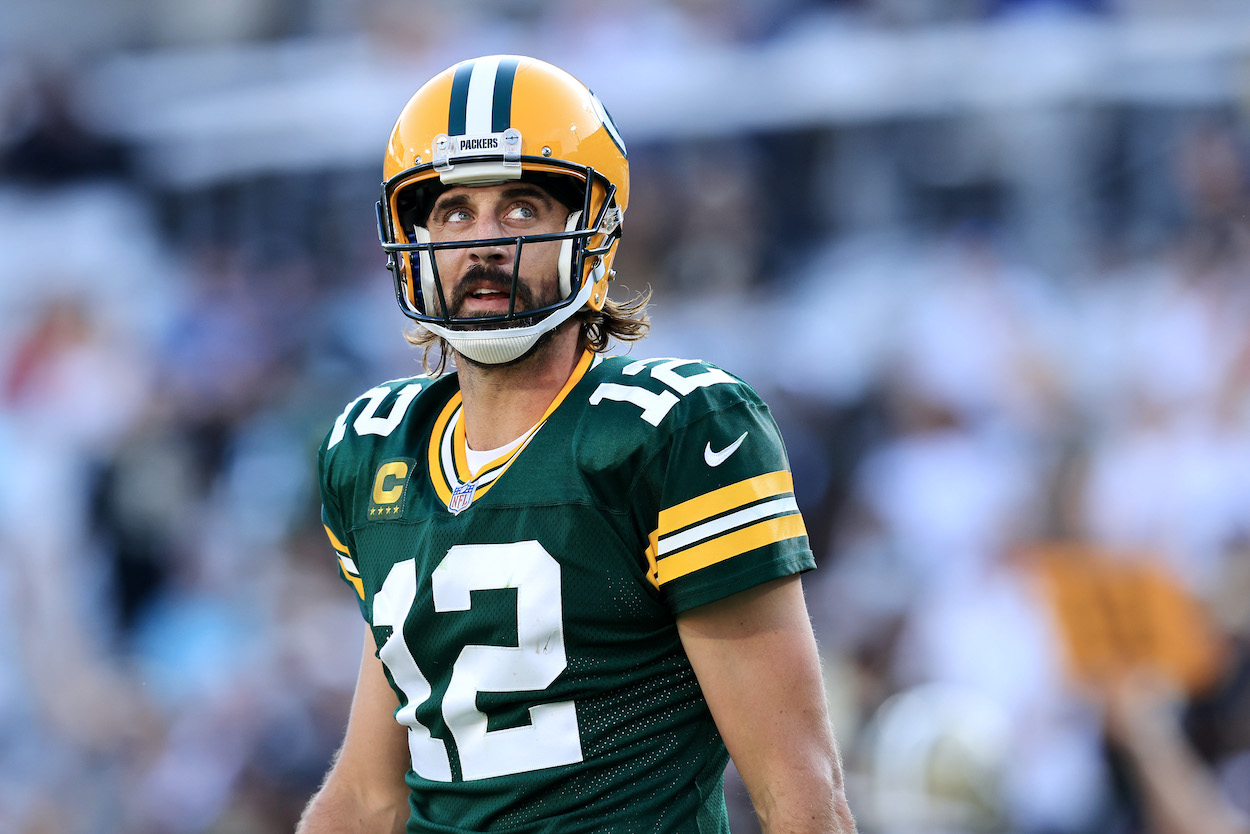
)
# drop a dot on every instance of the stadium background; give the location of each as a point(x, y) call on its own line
point(987, 259)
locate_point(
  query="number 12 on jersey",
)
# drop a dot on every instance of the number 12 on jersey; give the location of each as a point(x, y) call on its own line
point(552, 737)
point(655, 406)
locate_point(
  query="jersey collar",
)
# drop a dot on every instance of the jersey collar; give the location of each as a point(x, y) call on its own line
point(448, 465)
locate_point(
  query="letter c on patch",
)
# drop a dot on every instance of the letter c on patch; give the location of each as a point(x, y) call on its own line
point(383, 494)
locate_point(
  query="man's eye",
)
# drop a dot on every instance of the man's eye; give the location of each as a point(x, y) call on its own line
point(521, 212)
point(455, 216)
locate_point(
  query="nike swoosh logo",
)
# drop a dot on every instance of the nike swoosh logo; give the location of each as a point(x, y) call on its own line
point(717, 458)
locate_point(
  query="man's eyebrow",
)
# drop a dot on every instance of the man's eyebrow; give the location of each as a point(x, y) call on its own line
point(531, 191)
point(453, 201)
point(526, 190)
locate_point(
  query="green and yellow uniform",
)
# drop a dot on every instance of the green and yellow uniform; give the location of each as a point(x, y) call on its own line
point(526, 612)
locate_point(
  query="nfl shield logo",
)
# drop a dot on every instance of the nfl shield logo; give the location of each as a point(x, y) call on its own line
point(461, 498)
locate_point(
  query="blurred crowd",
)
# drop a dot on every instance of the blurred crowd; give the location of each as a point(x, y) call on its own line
point(1028, 489)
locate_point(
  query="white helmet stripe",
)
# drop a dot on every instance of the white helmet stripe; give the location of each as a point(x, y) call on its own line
point(481, 96)
point(481, 104)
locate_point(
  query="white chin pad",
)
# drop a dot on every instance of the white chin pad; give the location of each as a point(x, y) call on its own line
point(565, 262)
point(492, 347)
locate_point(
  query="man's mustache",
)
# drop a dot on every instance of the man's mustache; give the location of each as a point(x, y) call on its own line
point(492, 277)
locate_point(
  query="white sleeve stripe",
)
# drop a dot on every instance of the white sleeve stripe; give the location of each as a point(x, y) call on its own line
point(741, 518)
point(349, 566)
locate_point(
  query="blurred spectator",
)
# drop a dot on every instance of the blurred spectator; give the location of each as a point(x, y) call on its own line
point(52, 144)
point(1180, 794)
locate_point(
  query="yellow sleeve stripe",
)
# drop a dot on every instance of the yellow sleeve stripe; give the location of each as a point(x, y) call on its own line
point(346, 565)
point(334, 541)
point(725, 523)
point(653, 571)
point(356, 581)
point(717, 550)
point(724, 499)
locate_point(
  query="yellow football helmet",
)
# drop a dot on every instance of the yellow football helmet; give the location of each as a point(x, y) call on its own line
point(492, 120)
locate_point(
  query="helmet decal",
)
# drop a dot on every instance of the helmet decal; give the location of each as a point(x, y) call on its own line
point(481, 96)
point(606, 118)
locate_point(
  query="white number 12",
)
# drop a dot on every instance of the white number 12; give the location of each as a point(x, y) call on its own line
point(551, 738)
point(655, 407)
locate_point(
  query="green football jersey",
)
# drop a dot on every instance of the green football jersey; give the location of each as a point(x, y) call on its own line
point(526, 612)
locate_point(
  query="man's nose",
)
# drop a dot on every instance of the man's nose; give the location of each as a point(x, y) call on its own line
point(489, 228)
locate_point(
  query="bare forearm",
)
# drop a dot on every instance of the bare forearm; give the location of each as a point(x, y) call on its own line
point(338, 812)
point(1180, 794)
point(815, 805)
point(833, 817)
point(756, 659)
point(797, 787)
point(364, 791)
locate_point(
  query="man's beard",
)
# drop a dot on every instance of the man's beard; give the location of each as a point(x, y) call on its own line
point(493, 277)
point(496, 278)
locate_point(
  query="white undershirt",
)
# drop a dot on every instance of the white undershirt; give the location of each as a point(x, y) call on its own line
point(477, 460)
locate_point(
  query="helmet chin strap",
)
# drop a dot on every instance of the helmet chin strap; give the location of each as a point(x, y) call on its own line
point(495, 347)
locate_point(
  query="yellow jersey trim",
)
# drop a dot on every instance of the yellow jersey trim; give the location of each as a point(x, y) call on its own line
point(344, 561)
point(653, 570)
point(435, 463)
point(334, 540)
point(769, 531)
point(356, 581)
point(446, 478)
point(724, 499)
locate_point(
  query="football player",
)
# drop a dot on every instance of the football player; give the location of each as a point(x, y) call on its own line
point(579, 572)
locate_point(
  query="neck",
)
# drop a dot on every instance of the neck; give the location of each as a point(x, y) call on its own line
point(502, 402)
